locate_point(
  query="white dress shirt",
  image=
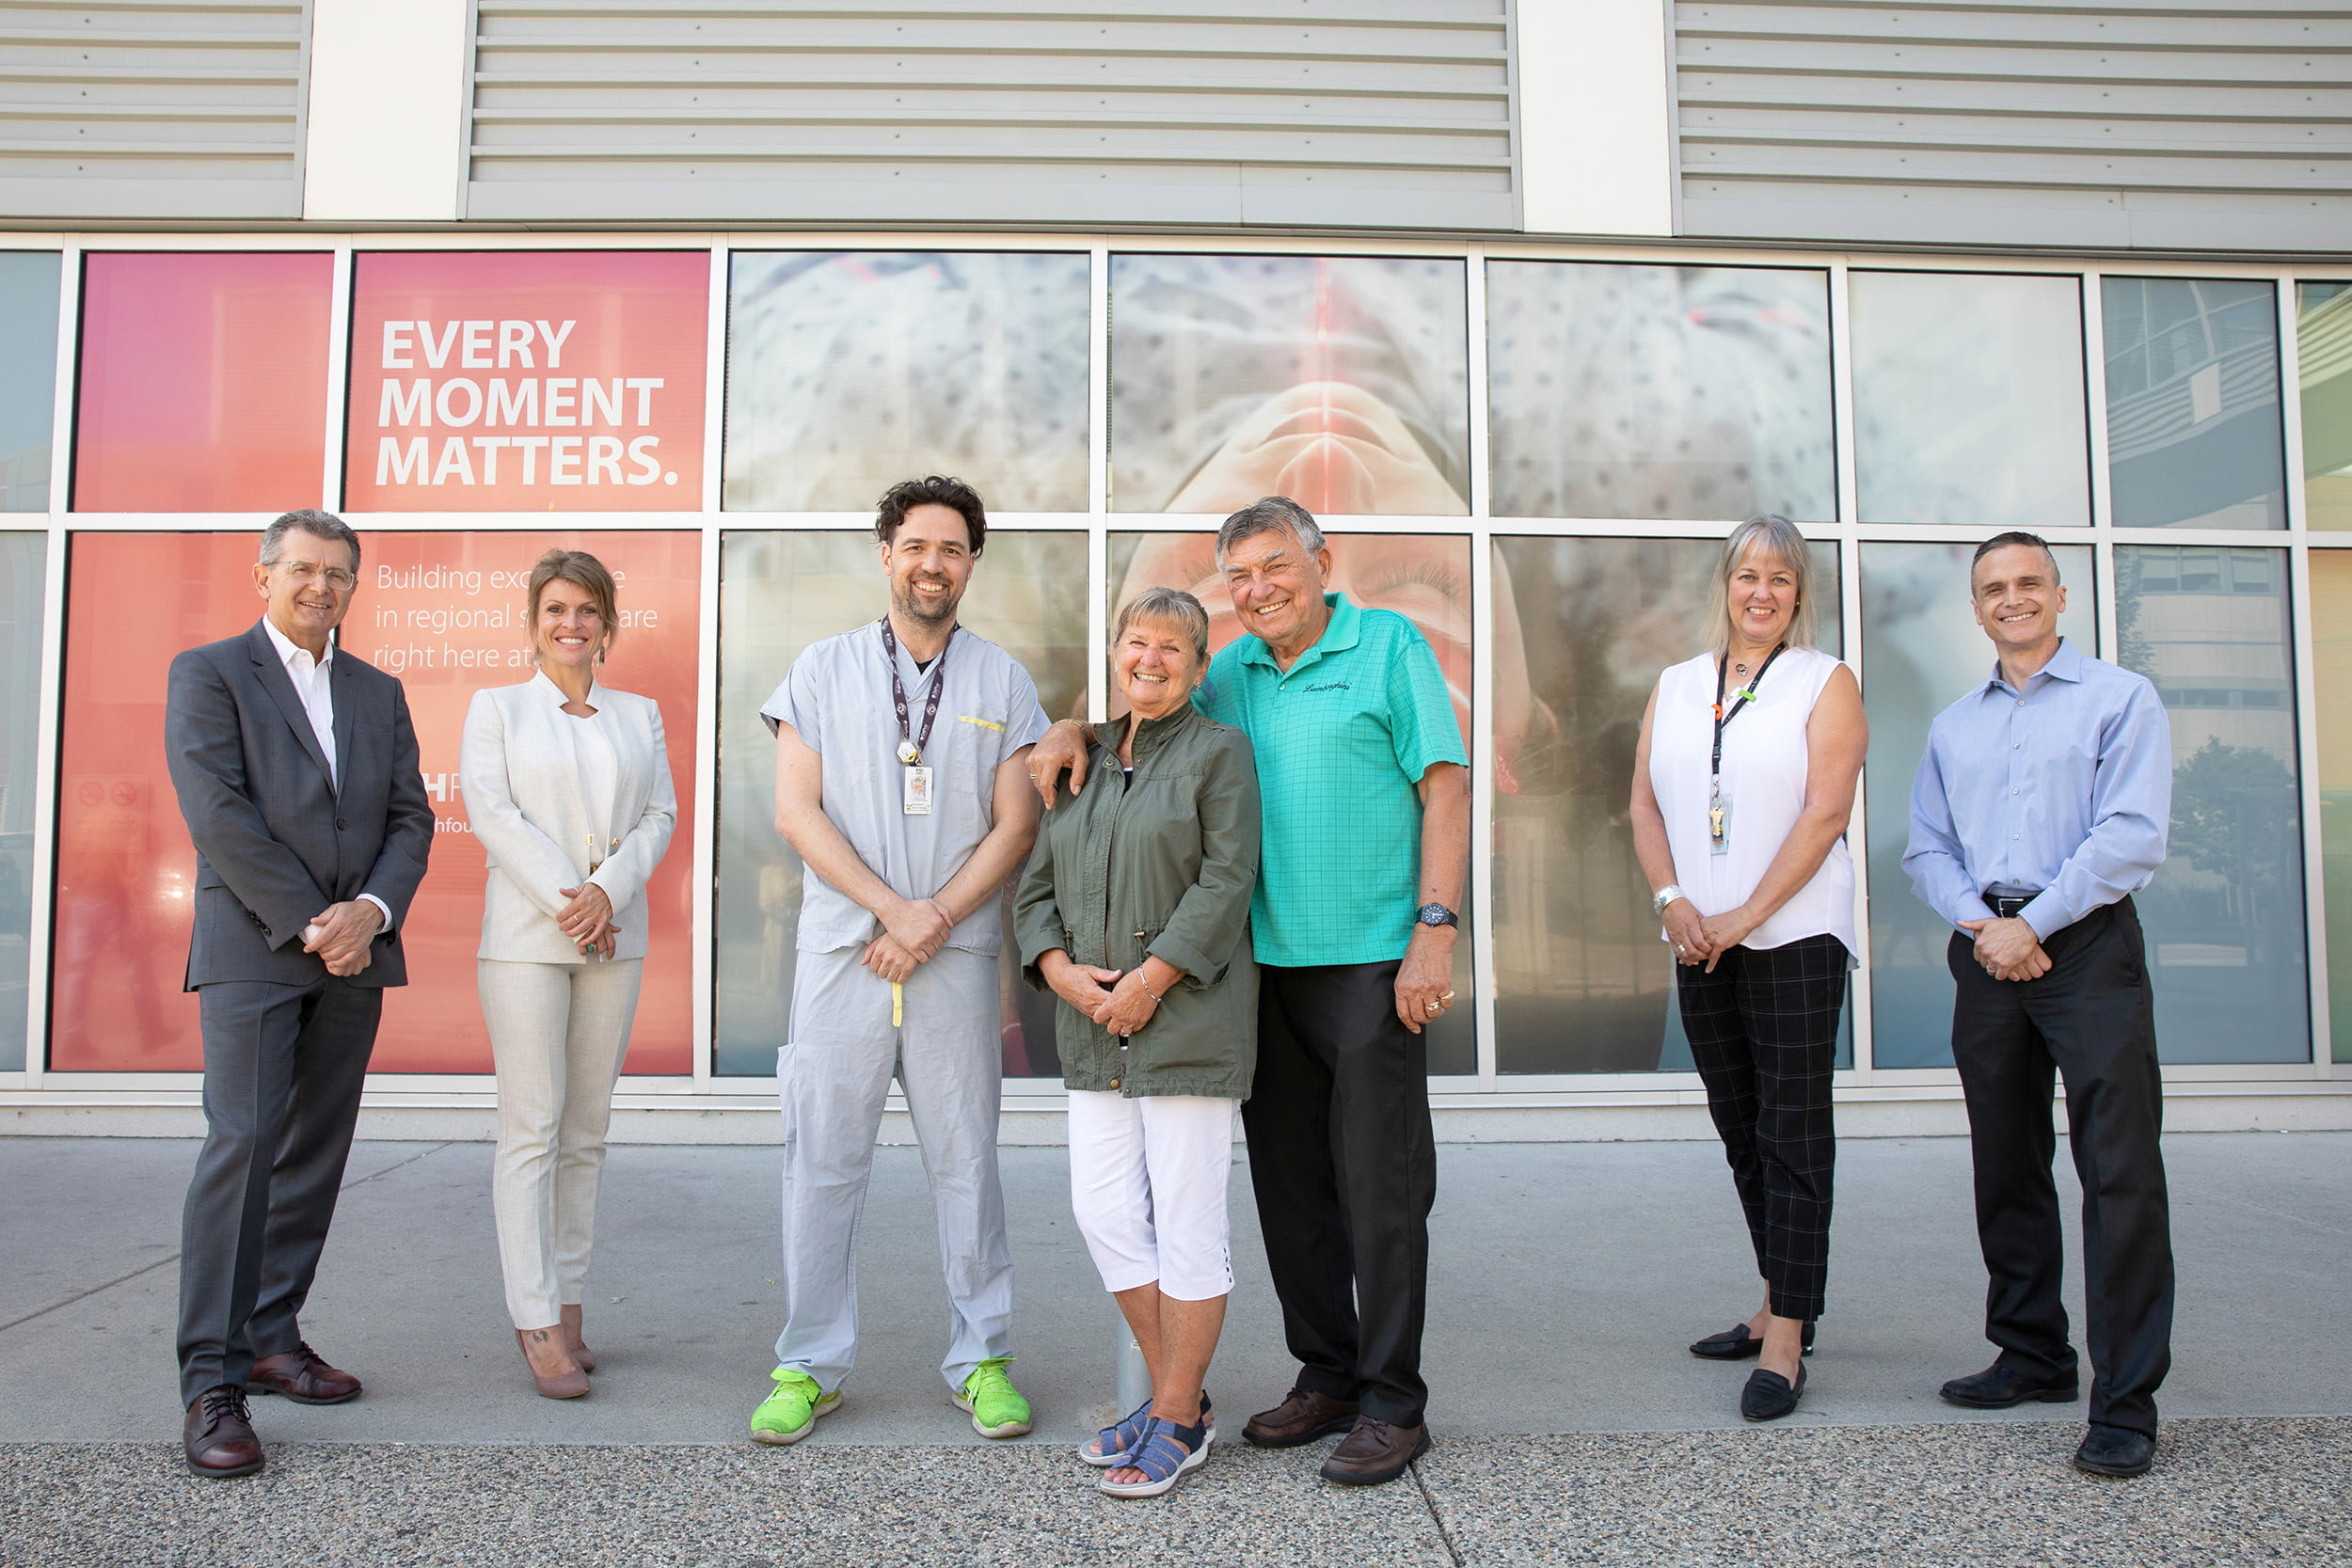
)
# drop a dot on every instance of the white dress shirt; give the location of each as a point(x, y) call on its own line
point(314, 682)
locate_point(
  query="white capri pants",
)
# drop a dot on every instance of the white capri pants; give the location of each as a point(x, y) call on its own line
point(1147, 1181)
point(558, 1033)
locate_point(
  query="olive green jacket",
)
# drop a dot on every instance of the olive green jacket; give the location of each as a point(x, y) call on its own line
point(1161, 864)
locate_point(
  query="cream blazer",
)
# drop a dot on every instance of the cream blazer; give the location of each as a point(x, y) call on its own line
point(521, 778)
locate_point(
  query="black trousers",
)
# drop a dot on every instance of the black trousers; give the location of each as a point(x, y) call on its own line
point(1763, 1030)
point(1345, 1164)
point(2091, 1018)
point(283, 1066)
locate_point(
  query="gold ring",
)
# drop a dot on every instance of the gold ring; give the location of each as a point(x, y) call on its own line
point(1447, 997)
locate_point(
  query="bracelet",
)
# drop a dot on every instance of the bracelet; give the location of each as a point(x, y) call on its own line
point(1664, 897)
point(1156, 996)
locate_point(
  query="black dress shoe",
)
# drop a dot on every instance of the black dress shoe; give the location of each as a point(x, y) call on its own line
point(1770, 1396)
point(1737, 1344)
point(2115, 1451)
point(217, 1434)
point(1997, 1387)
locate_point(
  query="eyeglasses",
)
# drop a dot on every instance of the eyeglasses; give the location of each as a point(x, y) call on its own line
point(306, 572)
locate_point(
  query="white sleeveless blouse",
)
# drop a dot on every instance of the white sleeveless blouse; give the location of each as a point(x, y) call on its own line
point(1765, 764)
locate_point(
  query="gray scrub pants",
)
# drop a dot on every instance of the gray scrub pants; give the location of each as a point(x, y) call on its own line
point(832, 1077)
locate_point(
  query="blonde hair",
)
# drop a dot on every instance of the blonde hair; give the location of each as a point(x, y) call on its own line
point(1176, 607)
point(1777, 537)
point(584, 572)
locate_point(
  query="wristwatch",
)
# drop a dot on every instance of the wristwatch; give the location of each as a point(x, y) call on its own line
point(1437, 915)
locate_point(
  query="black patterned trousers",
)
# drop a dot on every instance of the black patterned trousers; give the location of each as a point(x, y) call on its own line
point(1763, 1030)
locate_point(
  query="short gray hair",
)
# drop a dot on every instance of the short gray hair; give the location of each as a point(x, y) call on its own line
point(1776, 536)
point(1270, 514)
point(321, 525)
point(1174, 605)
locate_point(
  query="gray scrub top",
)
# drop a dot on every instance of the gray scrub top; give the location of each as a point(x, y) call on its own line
point(836, 698)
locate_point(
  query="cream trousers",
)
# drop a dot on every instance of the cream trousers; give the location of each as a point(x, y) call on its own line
point(558, 1033)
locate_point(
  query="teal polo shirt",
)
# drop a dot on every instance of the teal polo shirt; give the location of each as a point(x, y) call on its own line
point(1341, 737)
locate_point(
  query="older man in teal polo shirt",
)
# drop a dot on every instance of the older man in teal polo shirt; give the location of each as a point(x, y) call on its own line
point(1366, 798)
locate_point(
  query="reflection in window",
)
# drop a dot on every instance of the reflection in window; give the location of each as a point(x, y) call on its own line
point(1341, 381)
point(2331, 667)
point(2322, 352)
point(2193, 401)
point(1652, 391)
point(1583, 983)
point(1968, 400)
point(28, 380)
point(1423, 577)
point(778, 593)
point(848, 372)
point(2224, 917)
point(1922, 651)
point(22, 556)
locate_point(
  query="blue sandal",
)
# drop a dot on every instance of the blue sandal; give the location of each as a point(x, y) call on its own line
point(1162, 1455)
point(1113, 1444)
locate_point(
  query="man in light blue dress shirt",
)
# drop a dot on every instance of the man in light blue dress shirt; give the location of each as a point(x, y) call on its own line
point(2040, 808)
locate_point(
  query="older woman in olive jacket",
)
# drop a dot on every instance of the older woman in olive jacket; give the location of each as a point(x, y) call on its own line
point(1135, 912)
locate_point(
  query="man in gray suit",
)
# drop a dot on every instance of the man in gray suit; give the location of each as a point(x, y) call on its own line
point(296, 769)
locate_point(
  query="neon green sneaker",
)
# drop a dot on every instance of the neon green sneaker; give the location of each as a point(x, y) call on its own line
point(996, 1406)
point(788, 1414)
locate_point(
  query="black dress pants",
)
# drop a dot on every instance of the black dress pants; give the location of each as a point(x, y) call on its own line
point(283, 1066)
point(2093, 1020)
point(1763, 1030)
point(1345, 1164)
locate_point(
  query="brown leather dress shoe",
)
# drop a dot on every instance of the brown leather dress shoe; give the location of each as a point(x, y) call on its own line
point(1374, 1451)
point(217, 1434)
point(1301, 1418)
point(303, 1376)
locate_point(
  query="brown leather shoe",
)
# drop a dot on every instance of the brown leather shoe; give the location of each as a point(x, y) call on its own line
point(303, 1376)
point(217, 1434)
point(1301, 1418)
point(1374, 1451)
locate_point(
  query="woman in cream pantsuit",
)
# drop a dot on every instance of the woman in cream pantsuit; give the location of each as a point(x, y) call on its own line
point(568, 788)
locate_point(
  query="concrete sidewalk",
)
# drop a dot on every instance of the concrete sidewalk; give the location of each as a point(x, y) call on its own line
point(1571, 1426)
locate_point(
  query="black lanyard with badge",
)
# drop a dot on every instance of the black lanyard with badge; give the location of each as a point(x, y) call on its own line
point(1718, 808)
point(917, 798)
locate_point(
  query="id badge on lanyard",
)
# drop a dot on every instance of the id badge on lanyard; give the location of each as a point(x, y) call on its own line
point(916, 797)
point(1719, 808)
point(917, 802)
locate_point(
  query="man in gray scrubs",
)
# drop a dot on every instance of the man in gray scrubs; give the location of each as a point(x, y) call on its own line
point(901, 781)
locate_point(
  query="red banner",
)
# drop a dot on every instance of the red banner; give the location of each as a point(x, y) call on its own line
point(444, 612)
point(528, 381)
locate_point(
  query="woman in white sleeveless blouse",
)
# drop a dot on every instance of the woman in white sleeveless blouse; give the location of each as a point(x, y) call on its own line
point(1742, 783)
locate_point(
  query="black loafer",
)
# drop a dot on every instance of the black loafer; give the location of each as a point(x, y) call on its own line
point(1770, 1396)
point(1997, 1387)
point(2115, 1451)
point(1737, 1344)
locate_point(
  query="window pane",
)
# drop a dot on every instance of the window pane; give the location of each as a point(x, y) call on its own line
point(848, 372)
point(444, 612)
point(203, 382)
point(2193, 402)
point(2224, 917)
point(21, 559)
point(2323, 351)
point(2332, 664)
point(28, 376)
point(1922, 650)
point(1583, 983)
point(1341, 381)
point(1426, 578)
point(778, 593)
point(1647, 392)
point(1968, 400)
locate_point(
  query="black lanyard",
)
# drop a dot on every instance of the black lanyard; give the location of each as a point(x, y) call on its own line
point(898, 694)
point(1722, 667)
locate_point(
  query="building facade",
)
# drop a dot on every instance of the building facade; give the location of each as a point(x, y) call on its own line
point(1530, 300)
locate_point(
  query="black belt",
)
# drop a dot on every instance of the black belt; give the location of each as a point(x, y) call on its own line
point(2008, 906)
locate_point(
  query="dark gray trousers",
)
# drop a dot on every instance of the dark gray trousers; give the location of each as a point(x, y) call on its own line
point(283, 1066)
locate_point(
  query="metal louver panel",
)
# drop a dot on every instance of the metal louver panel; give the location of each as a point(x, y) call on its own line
point(151, 109)
point(1377, 112)
point(2176, 123)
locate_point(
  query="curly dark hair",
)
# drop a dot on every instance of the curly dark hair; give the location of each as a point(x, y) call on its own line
point(931, 490)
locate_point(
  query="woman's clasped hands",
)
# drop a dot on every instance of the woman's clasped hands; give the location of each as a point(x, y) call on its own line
point(1703, 938)
point(1121, 1004)
point(588, 918)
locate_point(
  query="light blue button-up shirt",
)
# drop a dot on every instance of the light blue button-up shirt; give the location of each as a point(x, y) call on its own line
point(2065, 787)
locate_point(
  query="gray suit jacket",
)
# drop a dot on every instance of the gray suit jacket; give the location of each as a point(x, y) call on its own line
point(274, 842)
